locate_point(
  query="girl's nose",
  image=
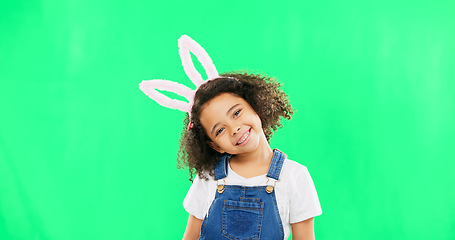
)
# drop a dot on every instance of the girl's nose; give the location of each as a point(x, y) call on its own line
point(235, 130)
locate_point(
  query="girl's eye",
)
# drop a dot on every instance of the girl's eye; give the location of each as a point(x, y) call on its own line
point(237, 112)
point(219, 131)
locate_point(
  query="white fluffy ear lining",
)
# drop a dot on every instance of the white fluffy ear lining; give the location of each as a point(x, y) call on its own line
point(150, 87)
point(186, 45)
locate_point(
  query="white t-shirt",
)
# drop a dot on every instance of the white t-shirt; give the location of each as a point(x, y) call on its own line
point(295, 193)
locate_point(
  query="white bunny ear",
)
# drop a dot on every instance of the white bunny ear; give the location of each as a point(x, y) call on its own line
point(150, 87)
point(187, 45)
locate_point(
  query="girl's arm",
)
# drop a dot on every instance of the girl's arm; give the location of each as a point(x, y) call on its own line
point(303, 230)
point(193, 228)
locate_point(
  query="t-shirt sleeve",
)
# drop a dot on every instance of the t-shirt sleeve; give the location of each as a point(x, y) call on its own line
point(304, 201)
point(196, 198)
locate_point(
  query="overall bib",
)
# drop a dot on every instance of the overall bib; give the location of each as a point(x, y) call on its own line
point(239, 212)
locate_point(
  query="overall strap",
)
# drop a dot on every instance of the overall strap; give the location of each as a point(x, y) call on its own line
point(276, 164)
point(221, 169)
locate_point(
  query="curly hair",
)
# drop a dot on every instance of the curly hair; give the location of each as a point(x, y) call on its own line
point(262, 93)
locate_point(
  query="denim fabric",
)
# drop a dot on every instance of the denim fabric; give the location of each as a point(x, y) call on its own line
point(239, 212)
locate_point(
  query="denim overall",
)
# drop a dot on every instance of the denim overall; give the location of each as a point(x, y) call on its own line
point(240, 212)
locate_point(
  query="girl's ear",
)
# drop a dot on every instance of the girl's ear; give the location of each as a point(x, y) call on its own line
point(215, 147)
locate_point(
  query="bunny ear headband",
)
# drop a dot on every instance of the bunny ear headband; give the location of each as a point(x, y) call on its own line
point(186, 45)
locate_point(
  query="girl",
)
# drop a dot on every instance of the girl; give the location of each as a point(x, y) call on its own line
point(243, 189)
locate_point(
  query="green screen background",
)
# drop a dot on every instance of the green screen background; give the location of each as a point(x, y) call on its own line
point(84, 154)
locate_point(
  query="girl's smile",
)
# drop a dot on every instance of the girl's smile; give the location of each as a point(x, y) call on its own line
point(244, 138)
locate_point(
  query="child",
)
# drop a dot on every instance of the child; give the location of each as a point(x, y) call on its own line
point(243, 189)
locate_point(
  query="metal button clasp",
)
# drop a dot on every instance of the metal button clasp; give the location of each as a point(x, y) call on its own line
point(269, 188)
point(220, 187)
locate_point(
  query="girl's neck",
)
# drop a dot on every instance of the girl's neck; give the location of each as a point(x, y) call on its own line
point(254, 163)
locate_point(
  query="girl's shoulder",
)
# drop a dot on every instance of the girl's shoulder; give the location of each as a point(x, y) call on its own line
point(293, 171)
point(293, 167)
point(208, 178)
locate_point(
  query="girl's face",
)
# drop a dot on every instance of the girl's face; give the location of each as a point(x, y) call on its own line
point(232, 124)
